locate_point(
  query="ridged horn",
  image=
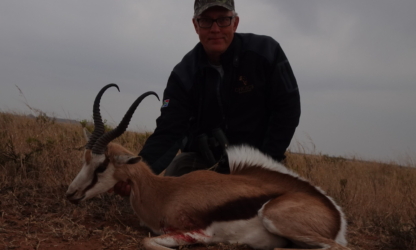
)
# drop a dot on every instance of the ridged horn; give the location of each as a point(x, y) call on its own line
point(98, 121)
point(102, 142)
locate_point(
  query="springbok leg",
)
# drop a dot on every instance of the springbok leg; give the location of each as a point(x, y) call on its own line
point(168, 241)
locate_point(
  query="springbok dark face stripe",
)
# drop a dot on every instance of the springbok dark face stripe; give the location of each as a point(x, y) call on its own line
point(98, 170)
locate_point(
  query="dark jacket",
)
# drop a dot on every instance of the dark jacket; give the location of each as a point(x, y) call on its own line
point(256, 103)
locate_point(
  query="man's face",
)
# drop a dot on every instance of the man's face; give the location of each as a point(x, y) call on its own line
point(216, 39)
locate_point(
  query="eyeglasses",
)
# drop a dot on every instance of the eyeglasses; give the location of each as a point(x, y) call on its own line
point(208, 22)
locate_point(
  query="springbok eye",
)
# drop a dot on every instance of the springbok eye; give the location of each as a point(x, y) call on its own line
point(101, 168)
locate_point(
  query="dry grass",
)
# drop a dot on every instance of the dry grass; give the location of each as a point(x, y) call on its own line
point(379, 199)
point(39, 158)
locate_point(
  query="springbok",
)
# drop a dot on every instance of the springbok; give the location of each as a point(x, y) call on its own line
point(261, 203)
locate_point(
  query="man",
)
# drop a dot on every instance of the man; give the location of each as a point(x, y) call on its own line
point(230, 89)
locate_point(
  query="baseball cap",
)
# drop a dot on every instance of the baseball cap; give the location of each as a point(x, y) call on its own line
point(202, 5)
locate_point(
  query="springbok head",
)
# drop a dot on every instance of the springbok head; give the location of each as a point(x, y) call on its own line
point(97, 173)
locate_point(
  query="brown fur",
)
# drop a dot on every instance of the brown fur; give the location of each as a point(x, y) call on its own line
point(202, 197)
point(88, 156)
point(194, 201)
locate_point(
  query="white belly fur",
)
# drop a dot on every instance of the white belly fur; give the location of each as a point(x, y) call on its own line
point(250, 232)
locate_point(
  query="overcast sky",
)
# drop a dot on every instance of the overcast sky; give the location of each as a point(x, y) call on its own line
point(355, 62)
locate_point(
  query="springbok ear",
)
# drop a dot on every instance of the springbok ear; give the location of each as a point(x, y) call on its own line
point(134, 160)
point(87, 134)
point(128, 159)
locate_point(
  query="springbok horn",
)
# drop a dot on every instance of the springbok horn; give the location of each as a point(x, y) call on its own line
point(98, 122)
point(102, 142)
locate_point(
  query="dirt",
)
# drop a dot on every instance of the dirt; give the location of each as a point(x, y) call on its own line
point(31, 220)
point(51, 222)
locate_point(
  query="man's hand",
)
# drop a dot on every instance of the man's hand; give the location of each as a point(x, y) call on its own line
point(122, 188)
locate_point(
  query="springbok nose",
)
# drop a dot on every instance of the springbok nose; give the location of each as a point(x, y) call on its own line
point(70, 195)
point(73, 200)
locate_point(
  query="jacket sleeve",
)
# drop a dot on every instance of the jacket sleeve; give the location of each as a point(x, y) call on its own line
point(284, 103)
point(162, 146)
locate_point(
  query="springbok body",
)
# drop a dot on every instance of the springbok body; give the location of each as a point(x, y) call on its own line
point(261, 203)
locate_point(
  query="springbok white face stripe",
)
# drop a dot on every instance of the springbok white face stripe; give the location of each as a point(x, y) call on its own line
point(85, 177)
point(104, 183)
point(81, 181)
point(83, 185)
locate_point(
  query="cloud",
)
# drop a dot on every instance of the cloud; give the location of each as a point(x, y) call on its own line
point(354, 62)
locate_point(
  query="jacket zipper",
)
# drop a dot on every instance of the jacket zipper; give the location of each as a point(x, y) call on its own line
point(220, 103)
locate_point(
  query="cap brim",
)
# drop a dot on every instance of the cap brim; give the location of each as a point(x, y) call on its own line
point(207, 6)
